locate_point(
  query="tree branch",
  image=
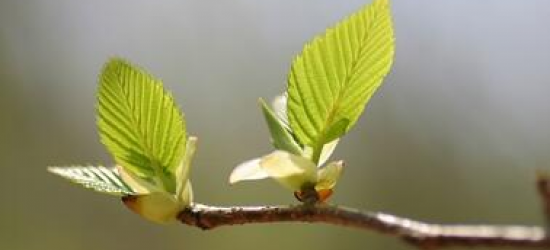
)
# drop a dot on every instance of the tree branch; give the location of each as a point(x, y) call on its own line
point(543, 186)
point(424, 235)
point(420, 234)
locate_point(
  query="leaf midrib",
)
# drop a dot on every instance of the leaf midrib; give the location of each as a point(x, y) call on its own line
point(349, 75)
point(142, 138)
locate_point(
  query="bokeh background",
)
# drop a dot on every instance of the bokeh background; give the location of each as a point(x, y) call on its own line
point(455, 134)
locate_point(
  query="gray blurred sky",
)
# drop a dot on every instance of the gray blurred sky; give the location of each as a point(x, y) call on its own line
point(454, 135)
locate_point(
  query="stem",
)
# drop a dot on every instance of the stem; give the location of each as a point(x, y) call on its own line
point(414, 232)
point(417, 233)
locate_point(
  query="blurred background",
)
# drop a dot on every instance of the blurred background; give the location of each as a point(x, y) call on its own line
point(455, 134)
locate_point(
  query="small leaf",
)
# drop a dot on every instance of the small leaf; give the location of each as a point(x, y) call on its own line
point(157, 207)
point(139, 122)
point(100, 179)
point(333, 78)
point(328, 175)
point(281, 137)
point(249, 170)
point(291, 171)
point(327, 151)
point(139, 185)
point(186, 196)
point(279, 104)
point(182, 173)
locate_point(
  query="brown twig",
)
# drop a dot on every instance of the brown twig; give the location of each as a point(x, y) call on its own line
point(543, 186)
point(424, 235)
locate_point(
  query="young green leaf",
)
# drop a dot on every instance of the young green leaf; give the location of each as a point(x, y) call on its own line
point(182, 173)
point(281, 137)
point(333, 78)
point(327, 151)
point(328, 175)
point(139, 122)
point(291, 171)
point(157, 207)
point(100, 179)
point(248, 170)
point(279, 104)
point(138, 184)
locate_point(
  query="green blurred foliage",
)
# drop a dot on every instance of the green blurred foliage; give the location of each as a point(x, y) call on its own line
point(454, 135)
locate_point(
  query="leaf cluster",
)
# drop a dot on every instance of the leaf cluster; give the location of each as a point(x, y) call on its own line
point(329, 84)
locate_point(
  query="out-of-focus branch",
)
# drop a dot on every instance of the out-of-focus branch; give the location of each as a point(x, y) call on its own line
point(424, 235)
point(543, 186)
